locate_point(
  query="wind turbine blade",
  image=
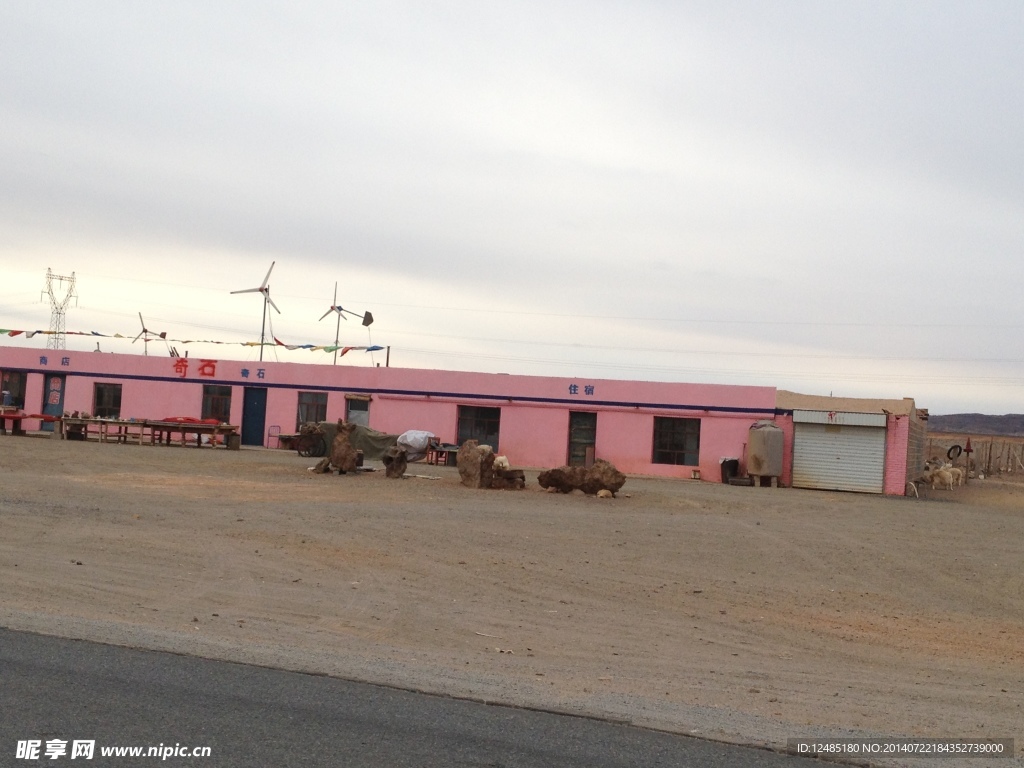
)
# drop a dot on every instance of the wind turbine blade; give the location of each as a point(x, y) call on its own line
point(250, 290)
point(267, 278)
point(271, 301)
point(139, 336)
point(325, 314)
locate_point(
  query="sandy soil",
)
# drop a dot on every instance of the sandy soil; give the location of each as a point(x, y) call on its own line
point(740, 614)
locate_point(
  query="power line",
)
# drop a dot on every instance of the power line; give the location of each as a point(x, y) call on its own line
point(605, 316)
point(1001, 381)
point(690, 320)
point(713, 352)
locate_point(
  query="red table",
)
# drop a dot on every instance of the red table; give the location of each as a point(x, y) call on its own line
point(16, 416)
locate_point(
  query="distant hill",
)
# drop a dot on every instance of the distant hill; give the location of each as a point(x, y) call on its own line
point(978, 424)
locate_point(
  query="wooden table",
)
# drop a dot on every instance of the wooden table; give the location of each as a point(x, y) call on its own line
point(164, 430)
point(16, 416)
point(107, 430)
point(13, 415)
point(158, 431)
point(120, 431)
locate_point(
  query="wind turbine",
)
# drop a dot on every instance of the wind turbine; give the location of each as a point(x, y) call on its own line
point(265, 290)
point(145, 332)
point(339, 310)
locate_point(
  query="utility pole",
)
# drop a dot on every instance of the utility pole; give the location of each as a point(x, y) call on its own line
point(337, 329)
point(54, 283)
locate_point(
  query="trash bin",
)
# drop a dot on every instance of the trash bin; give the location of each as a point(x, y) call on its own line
point(730, 468)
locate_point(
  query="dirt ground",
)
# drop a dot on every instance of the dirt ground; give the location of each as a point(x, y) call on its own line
point(740, 614)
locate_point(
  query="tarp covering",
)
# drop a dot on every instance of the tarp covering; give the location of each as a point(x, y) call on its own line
point(371, 442)
point(416, 443)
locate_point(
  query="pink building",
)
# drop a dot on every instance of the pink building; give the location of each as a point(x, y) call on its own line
point(646, 428)
point(649, 428)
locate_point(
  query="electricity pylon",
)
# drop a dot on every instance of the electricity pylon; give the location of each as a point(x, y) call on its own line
point(56, 338)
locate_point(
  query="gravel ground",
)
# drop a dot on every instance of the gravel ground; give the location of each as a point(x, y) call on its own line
point(738, 614)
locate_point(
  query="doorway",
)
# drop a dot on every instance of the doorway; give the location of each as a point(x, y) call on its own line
point(254, 415)
point(53, 399)
point(582, 438)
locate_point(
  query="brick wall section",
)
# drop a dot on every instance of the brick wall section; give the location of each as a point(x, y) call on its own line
point(897, 434)
point(917, 447)
point(785, 421)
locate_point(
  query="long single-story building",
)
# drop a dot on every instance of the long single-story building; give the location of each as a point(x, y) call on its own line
point(650, 428)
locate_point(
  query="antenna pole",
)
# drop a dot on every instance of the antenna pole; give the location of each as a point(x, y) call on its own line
point(337, 329)
point(265, 290)
point(263, 328)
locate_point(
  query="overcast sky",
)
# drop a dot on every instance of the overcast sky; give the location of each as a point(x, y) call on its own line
point(823, 197)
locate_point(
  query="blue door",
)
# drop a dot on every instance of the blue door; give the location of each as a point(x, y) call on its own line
point(254, 415)
point(53, 398)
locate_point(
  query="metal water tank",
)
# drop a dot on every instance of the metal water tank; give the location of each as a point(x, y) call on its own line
point(765, 449)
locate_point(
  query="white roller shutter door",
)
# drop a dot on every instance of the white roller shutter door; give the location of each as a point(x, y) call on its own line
point(839, 457)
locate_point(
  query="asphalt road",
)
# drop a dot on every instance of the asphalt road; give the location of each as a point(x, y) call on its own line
point(67, 690)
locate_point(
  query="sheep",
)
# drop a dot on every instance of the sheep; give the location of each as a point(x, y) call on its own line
point(934, 475)
point(956, 472)
point(943, 477)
